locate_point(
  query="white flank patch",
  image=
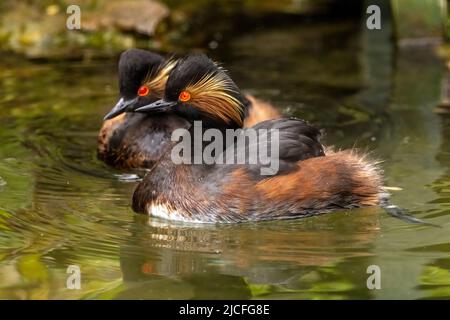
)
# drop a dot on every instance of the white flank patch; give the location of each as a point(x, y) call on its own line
point(128, 177)
point(163, 211)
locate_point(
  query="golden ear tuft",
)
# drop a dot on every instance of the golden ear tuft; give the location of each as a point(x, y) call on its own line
point(213, 94)
point(157, 82)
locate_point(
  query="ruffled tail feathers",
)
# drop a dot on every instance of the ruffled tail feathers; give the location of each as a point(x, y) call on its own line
point(370, 169)
point(364, 171)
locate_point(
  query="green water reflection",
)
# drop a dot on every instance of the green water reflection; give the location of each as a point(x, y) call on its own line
point(59, 206)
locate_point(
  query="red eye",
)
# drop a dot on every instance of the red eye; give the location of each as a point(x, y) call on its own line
point(184, 96)
point(143, 91)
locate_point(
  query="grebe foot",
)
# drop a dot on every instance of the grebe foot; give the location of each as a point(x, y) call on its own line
point(399, 213)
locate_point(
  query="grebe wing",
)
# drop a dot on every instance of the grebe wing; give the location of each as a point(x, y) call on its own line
point(297, 141)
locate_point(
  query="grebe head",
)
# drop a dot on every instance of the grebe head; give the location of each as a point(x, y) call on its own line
point(142, 79)
point(198, 89)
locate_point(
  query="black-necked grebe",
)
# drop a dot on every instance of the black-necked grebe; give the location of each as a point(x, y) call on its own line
point(136, 140)
point(132, 140)
point(309, 181)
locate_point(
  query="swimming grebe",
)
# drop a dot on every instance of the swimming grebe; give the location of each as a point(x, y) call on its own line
point(132, 140)
point(308, 181)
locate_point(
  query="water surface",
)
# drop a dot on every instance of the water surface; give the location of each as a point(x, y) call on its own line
point(60, 206)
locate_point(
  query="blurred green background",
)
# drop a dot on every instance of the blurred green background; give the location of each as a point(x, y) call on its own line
point(37, 29)
point(385, 91)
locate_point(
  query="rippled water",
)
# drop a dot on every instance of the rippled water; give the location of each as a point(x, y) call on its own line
point(60, 206)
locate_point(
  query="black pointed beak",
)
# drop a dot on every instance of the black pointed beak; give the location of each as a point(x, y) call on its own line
point(119, 108)
point(157, 106)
